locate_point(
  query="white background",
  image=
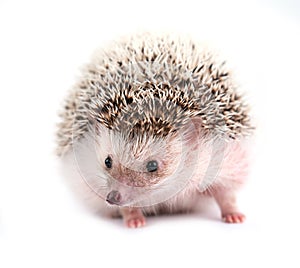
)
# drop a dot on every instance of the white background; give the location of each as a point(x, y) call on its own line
point(42, 46)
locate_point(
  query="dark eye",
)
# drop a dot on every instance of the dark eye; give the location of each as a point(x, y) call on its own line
point(152, 166)
point(108, 162)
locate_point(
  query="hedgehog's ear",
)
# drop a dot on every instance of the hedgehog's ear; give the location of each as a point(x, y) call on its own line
point(192, 131)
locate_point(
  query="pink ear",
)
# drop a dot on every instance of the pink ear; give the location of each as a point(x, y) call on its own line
point(197, 122)
point(192, 131)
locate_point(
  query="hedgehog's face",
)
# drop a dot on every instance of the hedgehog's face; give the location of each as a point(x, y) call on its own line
point(136, 166)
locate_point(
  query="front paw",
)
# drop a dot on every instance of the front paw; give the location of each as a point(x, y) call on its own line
point(135, 222)
point(133, 218)
point(234, 217)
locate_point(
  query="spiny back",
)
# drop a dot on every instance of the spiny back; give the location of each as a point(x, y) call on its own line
point(154, 84)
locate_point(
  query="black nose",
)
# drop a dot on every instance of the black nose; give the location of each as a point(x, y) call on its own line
point(114, 198)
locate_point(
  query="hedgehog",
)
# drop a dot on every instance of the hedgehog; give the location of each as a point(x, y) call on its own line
point(155, 124)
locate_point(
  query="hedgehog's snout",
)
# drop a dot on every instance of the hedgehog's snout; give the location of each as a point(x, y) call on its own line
point(114, 198)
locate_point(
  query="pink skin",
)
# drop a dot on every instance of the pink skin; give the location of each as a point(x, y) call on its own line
point(133, 217)
point(231, 176)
